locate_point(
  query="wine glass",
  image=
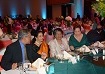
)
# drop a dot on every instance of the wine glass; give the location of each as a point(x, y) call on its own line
point(77, 56)
point(61, 58)
point(20, 67)
point(103, 54)
point(84, 49)
point(55, 57)
point(95, 58)
point(26, 65)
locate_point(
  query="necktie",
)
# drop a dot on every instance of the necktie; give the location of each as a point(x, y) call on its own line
point(25, 55)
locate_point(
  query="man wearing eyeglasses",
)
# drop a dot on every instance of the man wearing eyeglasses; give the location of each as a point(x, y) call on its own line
point(17, 51)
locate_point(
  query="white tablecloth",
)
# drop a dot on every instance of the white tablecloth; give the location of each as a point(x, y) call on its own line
point(38, 71)
point(18, 72)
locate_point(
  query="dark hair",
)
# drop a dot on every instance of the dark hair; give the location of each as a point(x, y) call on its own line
point(37, 32)
point(36, 35)
point(50, 32)
point(57, 29)
point(22, 33)
point(77, 26)
point(95, 14)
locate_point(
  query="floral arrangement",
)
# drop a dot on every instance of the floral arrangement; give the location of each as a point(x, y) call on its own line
point(55, 23)
point(68, 21)
point(99, 8)
point(68, 18)
point(61, 17)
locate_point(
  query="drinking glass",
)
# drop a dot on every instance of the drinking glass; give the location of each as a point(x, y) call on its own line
point(95, 58)
point(20, 67)
point(26, 65)
point(61, 58)
point(84, 49)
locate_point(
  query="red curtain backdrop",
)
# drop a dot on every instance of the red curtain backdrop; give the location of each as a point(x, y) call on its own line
point(54, 2)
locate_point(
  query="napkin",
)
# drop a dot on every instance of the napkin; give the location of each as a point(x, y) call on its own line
point(73, 60)
point(10, 72)
point(26, 65)
point(41, 70)
point(98, 44)
point(103, 42)
point(38, 63)
point(84, 48)
point(96, 49)
point(70, 57)
point(66, 55)
point(94, 52)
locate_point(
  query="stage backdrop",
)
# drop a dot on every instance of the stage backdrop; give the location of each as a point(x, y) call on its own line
point(25, 7)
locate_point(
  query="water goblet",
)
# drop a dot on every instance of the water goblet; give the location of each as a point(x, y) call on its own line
point(20, 67)
point(26, 65)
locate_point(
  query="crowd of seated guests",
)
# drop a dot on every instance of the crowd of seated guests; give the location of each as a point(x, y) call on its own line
point(41, 46)
point(9, 25)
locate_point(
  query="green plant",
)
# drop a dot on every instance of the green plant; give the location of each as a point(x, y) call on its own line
point(99, 7)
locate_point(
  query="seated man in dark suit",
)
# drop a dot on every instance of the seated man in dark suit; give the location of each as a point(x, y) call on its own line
point(96, 35)
point(18, 51)
point(15, 52)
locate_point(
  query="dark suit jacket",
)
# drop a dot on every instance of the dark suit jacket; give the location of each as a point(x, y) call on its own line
point(94, 36)
point(13, 54)
point(32, 52)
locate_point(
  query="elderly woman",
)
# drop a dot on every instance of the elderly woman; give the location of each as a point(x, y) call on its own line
point(77, 39)
point(58, 44)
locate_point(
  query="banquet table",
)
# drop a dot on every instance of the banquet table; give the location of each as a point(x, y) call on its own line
point(81, 67)
point(99, 62)
point(18, 72)
point(56, 67)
